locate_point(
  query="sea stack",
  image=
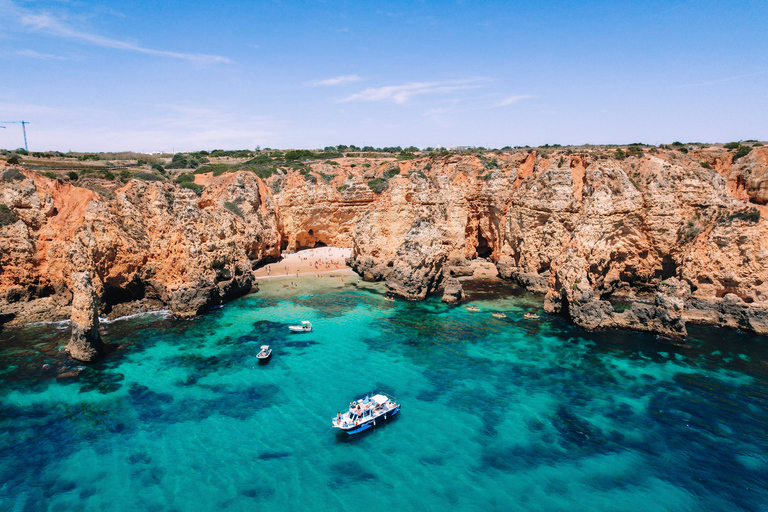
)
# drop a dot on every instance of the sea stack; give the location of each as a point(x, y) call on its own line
point(85, 344)
point(453, 292)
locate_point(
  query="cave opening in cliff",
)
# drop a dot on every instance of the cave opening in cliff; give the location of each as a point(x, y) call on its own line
point(482, 248)
point(668, 268)
point(119, 294)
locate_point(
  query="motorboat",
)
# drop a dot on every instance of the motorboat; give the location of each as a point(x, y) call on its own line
point(265, 354)
point(306, 326)
point(366, 412)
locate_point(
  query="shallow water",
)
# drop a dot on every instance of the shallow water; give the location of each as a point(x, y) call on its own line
point(508, 414)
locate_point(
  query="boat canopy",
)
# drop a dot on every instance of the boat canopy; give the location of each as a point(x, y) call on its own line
point(265, 347)
point(379, 399)
point(305, 321)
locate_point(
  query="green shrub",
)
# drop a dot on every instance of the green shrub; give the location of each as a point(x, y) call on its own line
point(14, 160)
point(342, 188)
point(13, 175)
point(757, 145)
point(158, 168)
point(307, 175)
point(147, 176)
point(731, 145)
point(185, 177)
point(331, 162)
point(125, 175)
point(108, 175)
point(50, 174)
point(683, 150)
point(181, 161)
point(405, 156)
point(72, 175)
point(299, 154)
point(22, 151)
point(263, 171)
point(742, 151)
point(705, 164)
point(389, 173)
point(378, 185)
point(751, 215)
point(261, 159)
point(620, 154)
point(233, 208)
point(7, 216)
point(198, 189)
point(216, 169)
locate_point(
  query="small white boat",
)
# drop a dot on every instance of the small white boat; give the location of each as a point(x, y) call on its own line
point(306, 326)
point(265, 353)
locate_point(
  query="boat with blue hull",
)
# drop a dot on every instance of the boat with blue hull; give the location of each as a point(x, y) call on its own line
point(366, 413)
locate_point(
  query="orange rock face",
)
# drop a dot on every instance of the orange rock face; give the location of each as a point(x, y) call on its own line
point(684, 233)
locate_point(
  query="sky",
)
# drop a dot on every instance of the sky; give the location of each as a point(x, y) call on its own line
point(184, 76)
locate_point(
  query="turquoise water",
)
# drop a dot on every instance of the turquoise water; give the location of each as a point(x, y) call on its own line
point(505, 415)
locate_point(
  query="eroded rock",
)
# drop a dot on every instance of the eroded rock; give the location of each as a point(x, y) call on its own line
point(85, 343)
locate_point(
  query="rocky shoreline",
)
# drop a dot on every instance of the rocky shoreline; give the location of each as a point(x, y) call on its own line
point(683, 234)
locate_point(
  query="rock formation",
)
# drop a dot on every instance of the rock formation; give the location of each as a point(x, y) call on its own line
point(85, 343)
point(682, 235)
point(453, 291)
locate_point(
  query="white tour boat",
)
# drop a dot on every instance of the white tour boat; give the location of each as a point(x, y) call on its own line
point(365, 413)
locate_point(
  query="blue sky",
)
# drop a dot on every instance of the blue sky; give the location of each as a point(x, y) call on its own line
point(178, 76)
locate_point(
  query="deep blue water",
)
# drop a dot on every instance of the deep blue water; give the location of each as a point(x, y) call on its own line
point(500, 415)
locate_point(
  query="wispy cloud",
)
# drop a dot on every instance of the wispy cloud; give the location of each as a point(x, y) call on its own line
point(510, 100)
point(345, 79)
point(402, 93)
point(720, 80)
point(58, 27)
point(32, 54)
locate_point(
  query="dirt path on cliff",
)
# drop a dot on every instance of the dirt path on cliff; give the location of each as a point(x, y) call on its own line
point(310, 262)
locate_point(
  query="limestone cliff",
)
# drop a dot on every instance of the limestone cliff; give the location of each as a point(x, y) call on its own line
point(682, 235)
point(661, 228)
point(154, 242)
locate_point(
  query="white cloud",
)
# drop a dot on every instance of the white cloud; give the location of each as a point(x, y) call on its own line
point(345, 79)
point(43, 22)
point(513, 99)
point(32, 54)
point(402, 93)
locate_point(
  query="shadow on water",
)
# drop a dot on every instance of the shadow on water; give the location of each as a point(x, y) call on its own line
point(347, 473)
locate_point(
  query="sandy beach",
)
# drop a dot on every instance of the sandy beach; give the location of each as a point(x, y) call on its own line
point(310, 262)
